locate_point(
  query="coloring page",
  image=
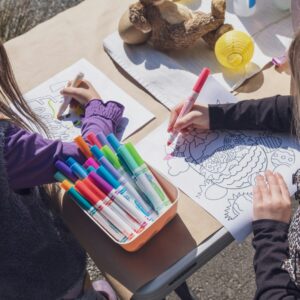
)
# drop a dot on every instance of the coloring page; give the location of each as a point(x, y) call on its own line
point(46, 99)
point(217, 169)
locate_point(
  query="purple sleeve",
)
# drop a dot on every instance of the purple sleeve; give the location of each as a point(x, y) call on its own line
point(30, 158)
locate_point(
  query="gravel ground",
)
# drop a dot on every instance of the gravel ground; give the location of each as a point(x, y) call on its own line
point(230, 274)
point(19, 16)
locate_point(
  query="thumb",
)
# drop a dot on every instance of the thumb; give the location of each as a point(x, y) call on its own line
point(74, 92)
point(186, 121)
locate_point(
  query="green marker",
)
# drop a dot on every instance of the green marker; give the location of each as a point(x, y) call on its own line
point(144, 168)
point(118, 163)
point(60, 177)
point(142, 180)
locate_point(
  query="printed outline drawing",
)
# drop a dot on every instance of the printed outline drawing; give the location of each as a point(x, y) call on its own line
point(221, 166)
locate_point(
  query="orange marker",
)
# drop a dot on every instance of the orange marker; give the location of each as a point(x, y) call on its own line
point(83, 146)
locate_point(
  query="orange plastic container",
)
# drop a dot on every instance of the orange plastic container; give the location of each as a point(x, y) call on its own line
point(153, 228)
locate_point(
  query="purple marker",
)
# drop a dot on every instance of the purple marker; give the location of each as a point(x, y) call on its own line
point(103, 140)
point(120, 200)
point(65, 169)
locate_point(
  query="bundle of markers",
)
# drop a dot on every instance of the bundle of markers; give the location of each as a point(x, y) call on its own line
point(114, 186)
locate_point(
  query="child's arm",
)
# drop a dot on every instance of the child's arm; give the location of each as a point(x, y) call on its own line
point(274, 113)
point(271, 213)
point(30, 158)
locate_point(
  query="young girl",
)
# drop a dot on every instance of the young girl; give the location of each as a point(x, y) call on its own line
point(40, 259)
point(277, 243)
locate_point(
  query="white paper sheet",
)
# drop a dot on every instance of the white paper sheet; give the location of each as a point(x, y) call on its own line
point(217, 169)
point(45, 100)
point(164, 74)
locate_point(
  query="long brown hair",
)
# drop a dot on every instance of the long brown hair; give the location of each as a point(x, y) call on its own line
point(294, 60)
point(12, 103)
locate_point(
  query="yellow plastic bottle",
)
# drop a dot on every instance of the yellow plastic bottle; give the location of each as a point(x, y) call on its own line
point(234, 49)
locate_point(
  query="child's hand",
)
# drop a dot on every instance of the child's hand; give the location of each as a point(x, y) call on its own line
point(198, 117)
point(83, 93)
point(271, 199)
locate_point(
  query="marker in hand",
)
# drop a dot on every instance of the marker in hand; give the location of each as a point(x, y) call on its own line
point(67, 99)
point(190, 101)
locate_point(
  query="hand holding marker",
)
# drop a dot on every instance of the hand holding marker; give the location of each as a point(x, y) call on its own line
point(67, 99)
point(191, 100)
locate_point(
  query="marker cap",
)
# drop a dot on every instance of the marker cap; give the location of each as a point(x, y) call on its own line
point(201, 80)
point(83, 146)
point(100, 183)
point(115, 143)
point(91, 162)
point(129, 160)
point(97, 152)
point(91, 137)
point(60, 177)
point(83, 203)
point(134, 154)
point(85, 191)
point(70, 161)
point(79, 170)
point(65, 169)
point(111, 156)
point(90, 169)
point(94, 189)
point(104, 173)
point(66, 185)
point(102, 138)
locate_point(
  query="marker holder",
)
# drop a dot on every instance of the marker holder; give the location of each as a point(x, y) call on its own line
point(154, 227)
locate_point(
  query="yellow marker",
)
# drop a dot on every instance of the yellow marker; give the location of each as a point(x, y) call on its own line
point(234, 49)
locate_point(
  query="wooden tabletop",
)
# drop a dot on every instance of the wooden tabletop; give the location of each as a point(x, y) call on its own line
point(76, 33)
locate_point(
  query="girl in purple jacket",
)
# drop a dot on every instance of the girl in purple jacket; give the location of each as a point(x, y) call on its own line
point(40, 258)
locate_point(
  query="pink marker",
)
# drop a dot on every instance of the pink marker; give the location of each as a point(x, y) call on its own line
point(91, 163)
point(190, 101)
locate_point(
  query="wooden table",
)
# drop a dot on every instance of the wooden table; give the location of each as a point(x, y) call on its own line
point(191, 239)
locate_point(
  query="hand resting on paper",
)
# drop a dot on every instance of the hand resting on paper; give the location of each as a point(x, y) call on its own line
point(84, 93)
point(271, 198)
point(198, 117)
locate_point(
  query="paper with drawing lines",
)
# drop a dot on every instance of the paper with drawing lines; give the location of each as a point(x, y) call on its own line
point(218, 169)
point(45, 100)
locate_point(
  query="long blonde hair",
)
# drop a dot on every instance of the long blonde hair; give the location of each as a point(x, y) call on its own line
point(11, 99)
point(294, 60)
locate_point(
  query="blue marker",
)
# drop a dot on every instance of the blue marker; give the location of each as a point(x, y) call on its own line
point(150, 190)
point(142, 206)
point(79, 170)
point(70, 161)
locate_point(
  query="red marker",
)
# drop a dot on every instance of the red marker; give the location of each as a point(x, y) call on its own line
point(190, 101)
point(91, 137)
